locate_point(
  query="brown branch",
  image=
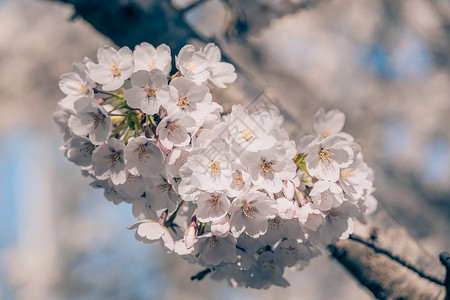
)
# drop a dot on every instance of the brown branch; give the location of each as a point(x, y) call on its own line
point(397, 268)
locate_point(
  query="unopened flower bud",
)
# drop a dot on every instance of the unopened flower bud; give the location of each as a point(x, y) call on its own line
point(288, 189)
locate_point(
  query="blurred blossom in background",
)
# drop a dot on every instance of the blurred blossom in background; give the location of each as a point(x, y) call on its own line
point(385, 65)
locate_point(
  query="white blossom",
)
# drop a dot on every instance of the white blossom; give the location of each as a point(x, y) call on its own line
point(142, 155)
point(212, 207)
point(79, 151)
point(75, 85)
point(174, 130)
point(219, 72)
point(113, 67)
point(326, 156)
point(147, 58)
point(325, 124)
point(148, 92)
point(90, 119)
point(250, 212)
point(188, 97)
point(109, 162)
point(268, 168)
point(211, 170)
point(326, 195)
point(192, 64)
point(213, 250)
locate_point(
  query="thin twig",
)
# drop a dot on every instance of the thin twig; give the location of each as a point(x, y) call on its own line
point(200, 275)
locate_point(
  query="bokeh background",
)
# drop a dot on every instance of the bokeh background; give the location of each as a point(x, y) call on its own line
point(385, 64)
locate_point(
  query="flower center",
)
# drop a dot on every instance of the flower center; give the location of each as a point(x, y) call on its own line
point(96, 118)
point(190, 66)
point(247, 134)
point(151, 65)
point(173, 127)
point(325, 155)
point(214, 242)
point(112, 158)
point(214, 167)
point(83, 89)
point(325, 133)
point(291, 250)
point(249, 210)
point(334, 214)
point(115, 70)
point(238, 181)
point(143, 152)
point(266, 166)
point(87, 149)
point(269, 264)
point(183, 102)
point(275, 223)
point(213, 202)
point(162, 188)
point(346, 173)
point(150, 90)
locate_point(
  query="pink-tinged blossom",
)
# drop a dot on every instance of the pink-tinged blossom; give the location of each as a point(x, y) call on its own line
point(174, 161)
point(240, 182)
point(290, 252)
point(287, 208)
point(250, 132)
point(113, 67)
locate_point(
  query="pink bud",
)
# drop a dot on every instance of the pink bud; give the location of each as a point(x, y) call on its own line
point(301, 198)
point(162, 219)
point(100, 100)
point(190, 236)
point(288, 189)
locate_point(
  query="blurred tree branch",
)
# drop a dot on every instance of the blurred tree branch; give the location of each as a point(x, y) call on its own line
point(389, 262)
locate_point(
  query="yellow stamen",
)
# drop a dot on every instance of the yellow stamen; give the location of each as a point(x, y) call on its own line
point(115, 70)
point(183, 102)
point(248, 210)
point(214, 167)
point(150, 90)
point(266, 166)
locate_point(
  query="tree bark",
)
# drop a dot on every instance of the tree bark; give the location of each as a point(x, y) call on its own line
point(385, 277)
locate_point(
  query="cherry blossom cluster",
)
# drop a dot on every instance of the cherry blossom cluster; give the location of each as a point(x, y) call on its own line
point(229, 192)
